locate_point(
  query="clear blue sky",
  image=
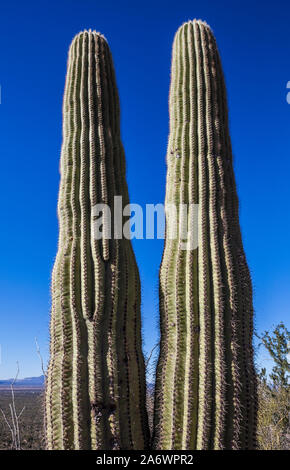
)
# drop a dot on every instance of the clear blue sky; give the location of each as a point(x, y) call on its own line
point(254, 41)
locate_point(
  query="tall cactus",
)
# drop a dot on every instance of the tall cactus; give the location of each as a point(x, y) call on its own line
point(95, 393)
point(205, 386)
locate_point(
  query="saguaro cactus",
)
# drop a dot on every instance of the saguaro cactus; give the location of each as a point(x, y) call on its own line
point(206, 386)
point(95, 394)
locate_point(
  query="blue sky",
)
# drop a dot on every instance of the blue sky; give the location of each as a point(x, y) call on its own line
point(254, 41)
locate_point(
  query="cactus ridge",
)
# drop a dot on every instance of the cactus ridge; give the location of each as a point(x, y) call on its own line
point(95, 392)
point(205, 386)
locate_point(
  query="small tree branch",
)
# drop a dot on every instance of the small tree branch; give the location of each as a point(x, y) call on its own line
point(150, 355)
point(13, 426)
point(41, 359)
point(10, 428)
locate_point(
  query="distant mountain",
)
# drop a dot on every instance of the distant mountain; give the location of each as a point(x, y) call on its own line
point(150, 387)
point(27, 382)
point(38, 382)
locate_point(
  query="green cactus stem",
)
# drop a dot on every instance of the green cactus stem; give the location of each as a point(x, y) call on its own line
point(206, 385)
point(95, 392)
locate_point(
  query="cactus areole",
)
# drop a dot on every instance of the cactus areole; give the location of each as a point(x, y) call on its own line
point(95, 391)
point(206, 387)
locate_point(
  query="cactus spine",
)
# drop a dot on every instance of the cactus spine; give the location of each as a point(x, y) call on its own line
point(95, 393)
point(205, 386)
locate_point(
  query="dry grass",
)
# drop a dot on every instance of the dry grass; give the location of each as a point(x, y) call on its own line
point(30, 422)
